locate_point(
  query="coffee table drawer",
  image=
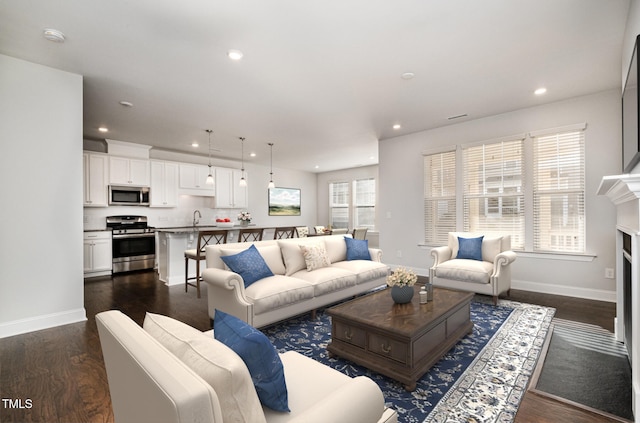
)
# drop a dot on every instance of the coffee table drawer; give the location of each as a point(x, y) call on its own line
point(388, 348)
point(350, 334)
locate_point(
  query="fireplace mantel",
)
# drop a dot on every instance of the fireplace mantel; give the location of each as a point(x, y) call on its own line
point(624, 193)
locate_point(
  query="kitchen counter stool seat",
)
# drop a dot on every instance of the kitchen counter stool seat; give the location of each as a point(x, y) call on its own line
point(198, 254)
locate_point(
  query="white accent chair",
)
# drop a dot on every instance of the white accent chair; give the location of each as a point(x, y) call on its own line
point(167, 373)
point(489, 276)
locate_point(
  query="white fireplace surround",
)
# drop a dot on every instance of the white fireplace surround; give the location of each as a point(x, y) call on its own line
point(624, 192)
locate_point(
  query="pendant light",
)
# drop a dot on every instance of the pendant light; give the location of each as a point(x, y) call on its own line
point(210, 175)
point(243, 182)
point(271, 184)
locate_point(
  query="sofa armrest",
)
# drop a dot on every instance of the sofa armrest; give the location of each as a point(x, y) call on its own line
point(223, 279)
point(225, 292)
point(376, 254)
point(440, 255)
point(359, 401)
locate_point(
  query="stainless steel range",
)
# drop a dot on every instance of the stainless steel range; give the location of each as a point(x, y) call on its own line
point(134, 243)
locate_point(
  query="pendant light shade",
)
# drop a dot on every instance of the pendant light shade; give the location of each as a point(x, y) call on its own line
point(209, 180)
point(271, 184)
point(243, 181)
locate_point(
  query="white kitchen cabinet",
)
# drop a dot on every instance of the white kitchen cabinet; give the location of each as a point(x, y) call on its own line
point(229, 193)
point(96, 177)
point(97, 253)
point(193, 180)
point(127, 171)
point(164, 184)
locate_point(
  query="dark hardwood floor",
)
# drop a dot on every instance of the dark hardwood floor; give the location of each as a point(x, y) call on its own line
point(60, 371)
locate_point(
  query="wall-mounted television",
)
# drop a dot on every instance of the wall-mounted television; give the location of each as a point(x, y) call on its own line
point(630, 136)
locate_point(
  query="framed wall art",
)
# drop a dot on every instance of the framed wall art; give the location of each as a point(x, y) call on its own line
point(284, 201)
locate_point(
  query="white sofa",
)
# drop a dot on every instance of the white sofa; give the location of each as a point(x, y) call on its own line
point(167, 373)
point(489, 276)
point(293, 289)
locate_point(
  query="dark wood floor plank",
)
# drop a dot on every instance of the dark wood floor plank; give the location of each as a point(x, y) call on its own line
point(62, 370)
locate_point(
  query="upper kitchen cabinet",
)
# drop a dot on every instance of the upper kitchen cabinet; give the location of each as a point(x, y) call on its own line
point(193, 180)
point(96, 177)
point(127, 171)
point(229, 193)
point(164, 184)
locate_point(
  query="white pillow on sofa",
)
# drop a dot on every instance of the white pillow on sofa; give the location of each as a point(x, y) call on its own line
point(214, 362)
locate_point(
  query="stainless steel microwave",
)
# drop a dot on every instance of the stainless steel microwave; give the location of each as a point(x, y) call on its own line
point(128, 196)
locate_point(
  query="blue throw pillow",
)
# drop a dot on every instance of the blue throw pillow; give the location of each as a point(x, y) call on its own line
point(260, 356)
point(470, 248)
point(357, 249)
point(249, 264)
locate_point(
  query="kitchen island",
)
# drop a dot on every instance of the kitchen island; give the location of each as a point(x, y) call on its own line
point(172, 243)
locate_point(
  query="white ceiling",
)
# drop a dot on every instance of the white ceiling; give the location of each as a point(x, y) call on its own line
point(319, 79)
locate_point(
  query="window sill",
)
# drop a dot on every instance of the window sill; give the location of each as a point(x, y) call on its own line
point(539, 255)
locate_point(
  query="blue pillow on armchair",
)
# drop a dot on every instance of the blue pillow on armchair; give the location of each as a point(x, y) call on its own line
point(470, 248)
point(260, 356)
point(249, 264)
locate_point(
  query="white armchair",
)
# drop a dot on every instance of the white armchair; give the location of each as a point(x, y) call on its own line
point(487, 271)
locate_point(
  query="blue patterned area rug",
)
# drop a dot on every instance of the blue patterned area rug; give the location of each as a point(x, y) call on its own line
point(481, 379)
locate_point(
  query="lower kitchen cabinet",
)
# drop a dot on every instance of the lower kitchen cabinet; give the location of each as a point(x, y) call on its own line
point(97, 253)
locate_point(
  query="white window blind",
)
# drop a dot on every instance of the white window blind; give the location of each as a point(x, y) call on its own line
point(439, 196)
point(339, 204)
point(493, 190)
point(364, 203)
point(558, 193)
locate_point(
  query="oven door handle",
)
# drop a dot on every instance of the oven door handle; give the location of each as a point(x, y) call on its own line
point(125, 236)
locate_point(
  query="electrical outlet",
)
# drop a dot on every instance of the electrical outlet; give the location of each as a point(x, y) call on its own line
point(609, 273)
point(399, 253)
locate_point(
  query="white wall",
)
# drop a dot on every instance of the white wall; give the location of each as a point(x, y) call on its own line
point(257, 180)
point(41, 276)
point(401, 192)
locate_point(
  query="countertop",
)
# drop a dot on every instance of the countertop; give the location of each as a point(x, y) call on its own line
point(188, 229)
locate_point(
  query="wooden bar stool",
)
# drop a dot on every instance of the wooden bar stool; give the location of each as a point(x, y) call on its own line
point(284, 232)
point(249, 235)
point(198, 254)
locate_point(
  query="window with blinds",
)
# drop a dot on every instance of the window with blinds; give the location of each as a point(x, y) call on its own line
point(558, 192)
point(439, 196)
point(339, 204)
point(364, 213)
point(493, 195)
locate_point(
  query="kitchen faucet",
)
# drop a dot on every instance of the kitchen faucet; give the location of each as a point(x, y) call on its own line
point(196, 221)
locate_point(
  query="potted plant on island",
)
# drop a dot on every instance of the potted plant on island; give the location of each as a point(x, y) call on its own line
point(244, 218)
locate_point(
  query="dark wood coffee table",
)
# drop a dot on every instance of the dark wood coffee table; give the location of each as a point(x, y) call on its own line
point(401, 341)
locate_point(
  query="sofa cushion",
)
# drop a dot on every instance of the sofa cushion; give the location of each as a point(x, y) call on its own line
point(465, 270)
point(278, 291)
point(292, 256)
point(327, 279)
point(214, 362)
point(259, 355)
point(470, 248)
point(249, 264)
point(315, 256)
point(336, 247)
point(357, 249)
point(365, 270)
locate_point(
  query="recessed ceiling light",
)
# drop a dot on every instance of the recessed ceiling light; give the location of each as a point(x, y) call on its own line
point(103, 129)
point(317, 167)
point(126, 103)
point(53, 35)
point(195, 144)
point(540, 91)
point(252, 154)
point(234, 54)
point(408, 75)
point(397, 126)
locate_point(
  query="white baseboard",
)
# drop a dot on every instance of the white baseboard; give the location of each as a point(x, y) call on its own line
point(46, 321)
point(567, 291)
